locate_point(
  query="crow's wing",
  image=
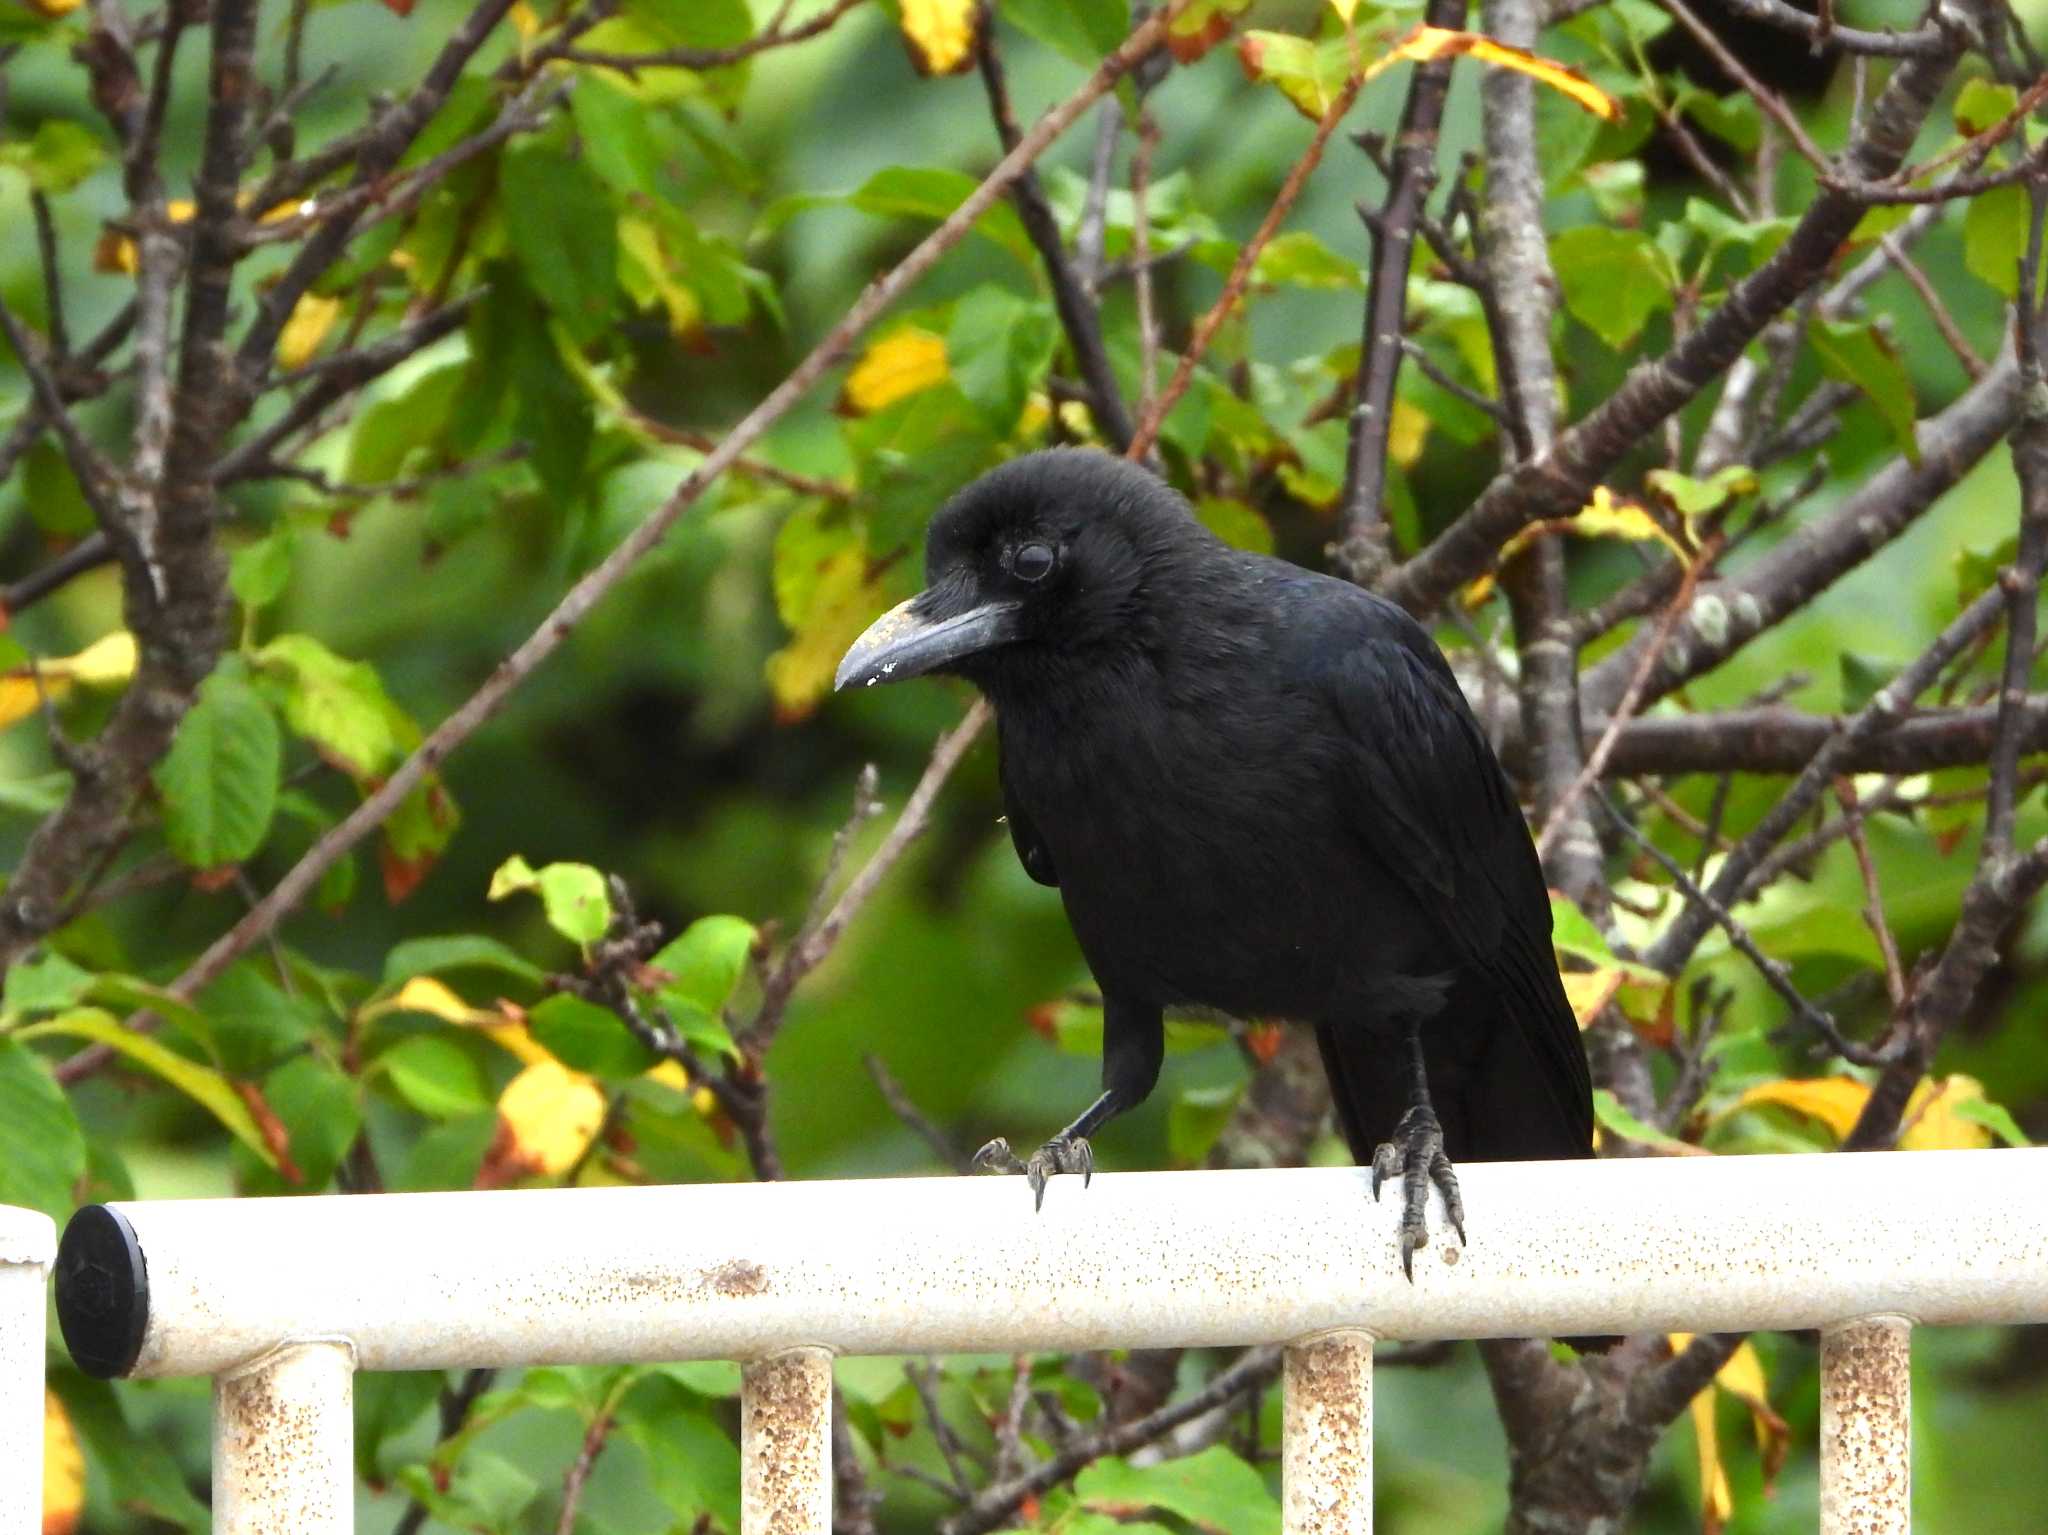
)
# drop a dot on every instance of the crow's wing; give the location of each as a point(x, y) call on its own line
point(1427, 796)
point(1031, 849)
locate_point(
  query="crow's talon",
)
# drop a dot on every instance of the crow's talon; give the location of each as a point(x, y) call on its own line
point(997, 1157)
point(1061, 1154)
point(1416, 1156)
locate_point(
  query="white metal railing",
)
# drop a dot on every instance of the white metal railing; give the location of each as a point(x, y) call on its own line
point(27, 1243)
point(281, 1300)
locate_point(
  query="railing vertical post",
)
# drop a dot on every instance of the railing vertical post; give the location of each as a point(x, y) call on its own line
point(284, 1443)
point(786, 1444)
point(28, 1241)
point(1326, 1454)
point(1866, 1473)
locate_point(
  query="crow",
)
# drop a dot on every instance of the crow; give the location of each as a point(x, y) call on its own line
point(1257, 789)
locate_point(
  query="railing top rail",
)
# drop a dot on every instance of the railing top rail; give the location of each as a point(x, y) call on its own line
point(913, 1265)
point(26, 1236)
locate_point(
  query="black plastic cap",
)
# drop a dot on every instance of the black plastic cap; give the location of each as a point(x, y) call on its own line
point(102, 1292)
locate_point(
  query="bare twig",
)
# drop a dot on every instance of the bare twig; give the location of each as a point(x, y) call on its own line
point(1873, 892)
point(905, 1108)
point(1071, 300)
point(1240, 273)
point(587, 592)
point(1411, 174)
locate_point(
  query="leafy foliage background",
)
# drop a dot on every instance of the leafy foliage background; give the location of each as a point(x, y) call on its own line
point(662, 252)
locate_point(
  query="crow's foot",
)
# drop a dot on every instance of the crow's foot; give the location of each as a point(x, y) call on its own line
point(1061, 1154)
point(1416, 1156)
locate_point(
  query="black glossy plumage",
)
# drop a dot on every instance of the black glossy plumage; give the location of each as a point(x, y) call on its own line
point(1260, 789)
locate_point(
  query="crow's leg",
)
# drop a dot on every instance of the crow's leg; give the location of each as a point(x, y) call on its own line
point(1067, 1152)
point(1416, 1156)
point(1133, 1044)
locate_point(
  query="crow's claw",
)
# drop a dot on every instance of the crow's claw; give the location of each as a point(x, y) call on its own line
point(1061, 1154)
point(1416, 1156)
point(997, 1157)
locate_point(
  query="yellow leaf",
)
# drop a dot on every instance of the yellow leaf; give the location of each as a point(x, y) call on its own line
point(1481, 587)
point(669, 1074)
point(1407, 431)
point(941, 34)
point(1931, 1122)
point(1345, 9)
point(1717, 1501)
point(1834, 1101)
point(800, 673)
point(101, 664)
point(107, 660)
point(1426, 43)
point(549, 1115)
point(525, 21)
point(1609, 516)
point(424, 994)
point(900, 364)
point(54, 8)
point(1588, 991)
point(650, 278)
point(1742, 1377)
point(312, 317)
point(63, 1470)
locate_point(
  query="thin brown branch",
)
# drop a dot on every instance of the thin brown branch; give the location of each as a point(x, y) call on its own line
point(905, 1108)
point(587, 592)
point(1873, 892)
point(818, 939)
point(1558, 483)
point(1078, 314)
point(1240, 274)
point(995, 1506)
point(1411, 175)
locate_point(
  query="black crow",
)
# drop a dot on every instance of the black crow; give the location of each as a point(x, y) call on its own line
point(1257, 789)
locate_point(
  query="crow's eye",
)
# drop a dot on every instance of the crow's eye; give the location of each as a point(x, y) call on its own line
point(1032, 562)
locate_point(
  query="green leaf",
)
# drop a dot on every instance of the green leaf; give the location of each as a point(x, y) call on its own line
point(60, 155)
point(387, 434)
point(1310, 74)
point(457, 951)
point(563, 228)
point(691, 1461)
point(1197, 1117)
point(572, 894)
point(319, 1109)
point(45, 1148)
point(1298, 259)
point(704, 966)
point(1614, 280)
point(47, 983)
point(1977, 569)
point(52, 495)
point(1995, 1117)
point(1616, 1120)
point(339, 706)
point(258, 571)
point(1863, 676)
point(140, 1472)
point(1864, 356)
point(1215, 1489)
point(586, 1037)
point(1982, 104)
point(1995, 237)
point(249, 1022)
point(219, 779)
point(1239, 525)
point(388, 1402)
point(436, 1075)
point(1083, 30)
point(998, 348)
point(917, 192)
point(1572, 932)
point(205, 1086)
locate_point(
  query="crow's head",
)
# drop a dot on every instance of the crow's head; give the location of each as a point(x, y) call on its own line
point(1054, 557)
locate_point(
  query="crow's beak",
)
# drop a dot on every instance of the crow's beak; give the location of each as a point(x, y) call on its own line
point(902, 644)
